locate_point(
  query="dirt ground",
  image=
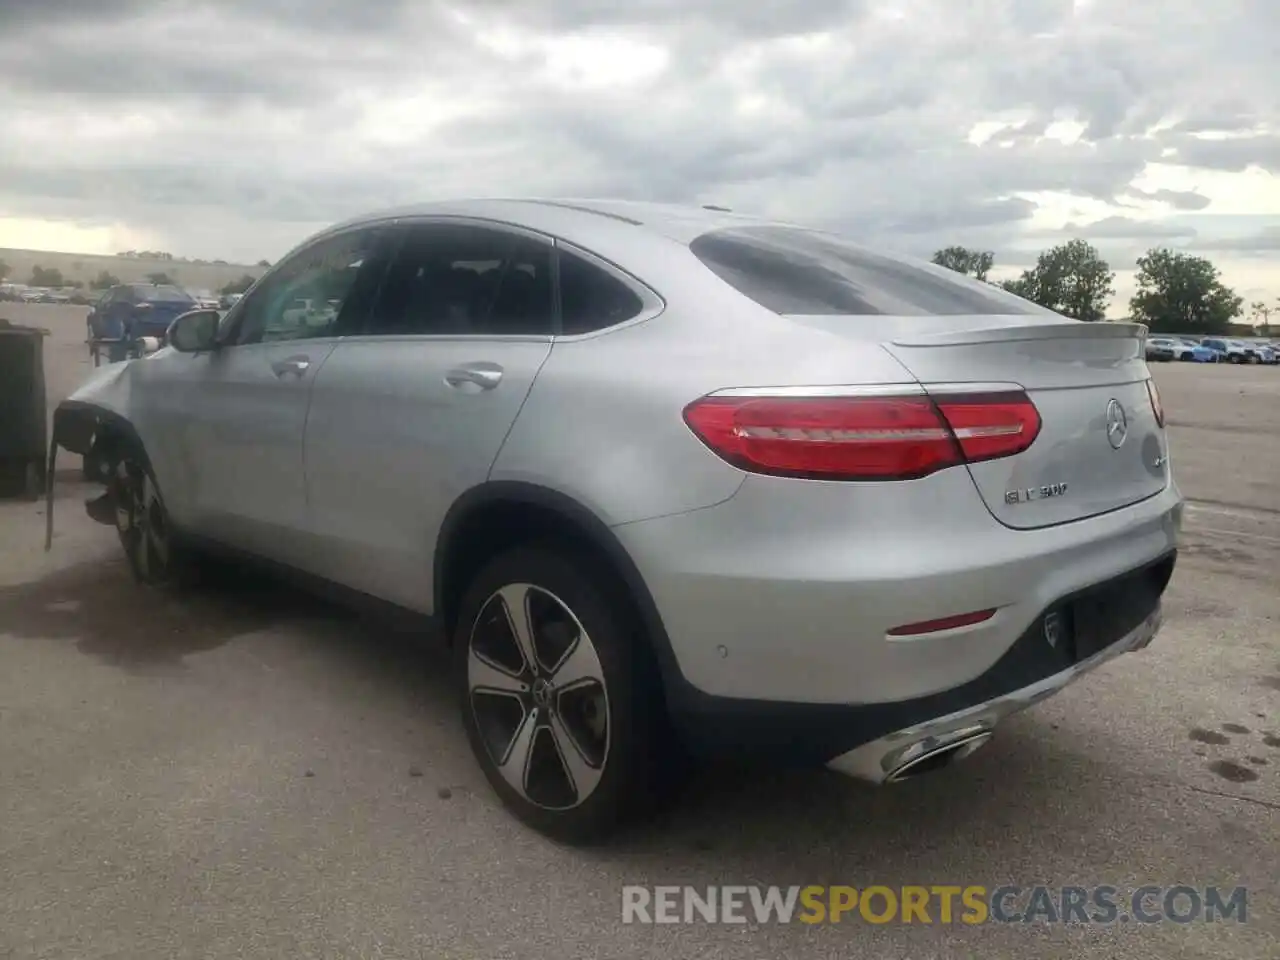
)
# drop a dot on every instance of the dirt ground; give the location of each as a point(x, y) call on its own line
point(247, 772)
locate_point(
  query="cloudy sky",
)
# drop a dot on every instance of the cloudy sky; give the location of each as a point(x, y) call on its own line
point(232, 128)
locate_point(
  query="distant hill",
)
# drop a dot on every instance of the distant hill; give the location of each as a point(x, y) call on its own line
point(82, 268)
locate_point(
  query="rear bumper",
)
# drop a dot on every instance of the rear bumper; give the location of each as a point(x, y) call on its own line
point(776, 621)
point(870, 740)
point(877, 759)
point(151, 329)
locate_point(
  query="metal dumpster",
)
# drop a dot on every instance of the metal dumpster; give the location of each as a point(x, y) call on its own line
point(24, 411)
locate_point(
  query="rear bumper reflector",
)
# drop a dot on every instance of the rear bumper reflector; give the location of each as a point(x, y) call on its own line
point(942, 623)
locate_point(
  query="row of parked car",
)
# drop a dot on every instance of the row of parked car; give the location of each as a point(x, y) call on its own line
point(21, 293)
point(1212, 350)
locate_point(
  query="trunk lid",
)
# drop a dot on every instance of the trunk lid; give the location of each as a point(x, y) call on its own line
point(1100, 447)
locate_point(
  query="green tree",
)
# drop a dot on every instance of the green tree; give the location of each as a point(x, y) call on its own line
point(238, 286)
point(104, 281)
point(46, 277)
point(1180, 293)
point(1071, 278)
point(4, 270)
point(972, 263)
point(160, 278)
point(1023, 286)
point(264, 263)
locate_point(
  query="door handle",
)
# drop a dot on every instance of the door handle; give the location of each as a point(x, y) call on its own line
point(486, 376)
point(291, 365)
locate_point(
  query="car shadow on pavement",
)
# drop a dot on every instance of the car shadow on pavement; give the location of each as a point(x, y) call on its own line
point(108, 615)
point(1030, 806)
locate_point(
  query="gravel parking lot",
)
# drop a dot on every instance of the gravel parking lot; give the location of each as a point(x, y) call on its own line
point(246, 772)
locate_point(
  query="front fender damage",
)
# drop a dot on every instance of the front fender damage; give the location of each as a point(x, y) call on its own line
point(102, 403)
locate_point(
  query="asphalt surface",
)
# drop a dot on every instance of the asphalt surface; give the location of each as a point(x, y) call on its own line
point(244, 771)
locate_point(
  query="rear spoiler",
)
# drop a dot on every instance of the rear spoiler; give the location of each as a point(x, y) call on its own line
point(1066, 330)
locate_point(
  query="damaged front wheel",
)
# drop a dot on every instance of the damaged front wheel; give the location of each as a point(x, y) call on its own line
point(142, 522)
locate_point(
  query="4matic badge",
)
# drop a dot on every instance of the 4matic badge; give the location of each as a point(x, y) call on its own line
point(1030, 494)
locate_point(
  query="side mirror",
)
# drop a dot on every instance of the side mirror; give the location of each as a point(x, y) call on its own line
point(194, 331)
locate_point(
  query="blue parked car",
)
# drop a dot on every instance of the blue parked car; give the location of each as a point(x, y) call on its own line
point(1199, 352)
point(1228, 351)
point(132, 310)
point(1179, 348)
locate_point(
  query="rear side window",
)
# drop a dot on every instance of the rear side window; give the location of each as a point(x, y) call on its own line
point(803, 272)
point(591, 298)
point(450, 279)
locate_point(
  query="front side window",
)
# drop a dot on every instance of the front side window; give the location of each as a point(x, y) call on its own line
point(458, 280)
point(805, 272)
point(319, 292)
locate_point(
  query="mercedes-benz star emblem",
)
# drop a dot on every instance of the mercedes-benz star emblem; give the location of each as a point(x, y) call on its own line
point(542, 693)
point(1117, 425)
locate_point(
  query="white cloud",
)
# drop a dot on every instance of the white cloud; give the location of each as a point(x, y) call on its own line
point(232, 128)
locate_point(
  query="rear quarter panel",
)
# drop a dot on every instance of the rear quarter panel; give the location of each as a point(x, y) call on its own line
point(604, 422)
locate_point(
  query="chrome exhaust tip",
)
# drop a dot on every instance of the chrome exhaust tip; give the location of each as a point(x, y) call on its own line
point(936, 757)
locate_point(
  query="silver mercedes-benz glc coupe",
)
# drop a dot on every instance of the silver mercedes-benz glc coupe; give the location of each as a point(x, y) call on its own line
point(675, 482)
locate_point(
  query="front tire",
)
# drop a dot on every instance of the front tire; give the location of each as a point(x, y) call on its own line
point(560, 695)
point(142, 522)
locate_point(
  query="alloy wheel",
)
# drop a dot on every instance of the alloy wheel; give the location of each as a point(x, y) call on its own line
point(538, 696)
point(140, 522)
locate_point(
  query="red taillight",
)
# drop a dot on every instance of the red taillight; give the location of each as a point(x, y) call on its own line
point(991, 425)
point(1156, 406)
point(862, 438)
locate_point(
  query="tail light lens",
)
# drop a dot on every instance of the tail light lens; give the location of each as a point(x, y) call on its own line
point(863, 438)
point(992, 425)
point(1156, 406)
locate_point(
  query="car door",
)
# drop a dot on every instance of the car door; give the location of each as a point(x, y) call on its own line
point(96, 315)
point(112, 311)
point(407, 416)
point(235, 425)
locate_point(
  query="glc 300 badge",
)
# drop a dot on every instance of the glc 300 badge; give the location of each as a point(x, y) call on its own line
point(1031, 494)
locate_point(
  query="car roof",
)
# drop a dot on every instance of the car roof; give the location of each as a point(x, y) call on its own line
point(582, 221)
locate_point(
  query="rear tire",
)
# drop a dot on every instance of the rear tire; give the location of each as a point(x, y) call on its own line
point(570, 728)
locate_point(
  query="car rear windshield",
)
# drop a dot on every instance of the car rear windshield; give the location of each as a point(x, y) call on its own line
point(163, 293)
point(790, 270)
